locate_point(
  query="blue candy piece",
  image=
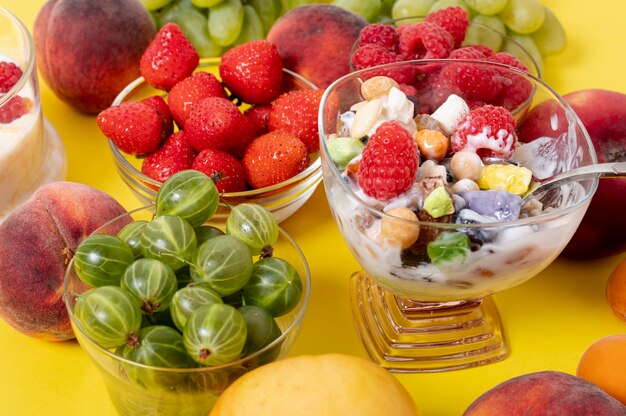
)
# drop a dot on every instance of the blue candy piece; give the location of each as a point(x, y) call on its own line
point(500, 205)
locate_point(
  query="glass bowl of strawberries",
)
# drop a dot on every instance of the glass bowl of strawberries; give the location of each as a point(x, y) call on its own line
point(243, 119)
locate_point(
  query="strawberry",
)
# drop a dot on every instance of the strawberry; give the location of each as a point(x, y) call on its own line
point(253, 71)
point(273, 158)
point(258, 117)
point(296, 111)
point(487, 130)
point(14, 108)
point(388, 163)
point(216, 122)
point(174, 155)
point(135, 127)
point(158, 103)
point(169, 58)
point(9, 75)
point(191, 90)
point(226, 171)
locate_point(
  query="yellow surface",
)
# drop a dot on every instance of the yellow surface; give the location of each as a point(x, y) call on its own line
point(549, 320)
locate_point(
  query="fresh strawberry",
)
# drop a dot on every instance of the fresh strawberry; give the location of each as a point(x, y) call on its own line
point(15, 108)
point(253, 71)
point(174, 155)
point(191, 90)
point(169, 58)
point(159, 104)
point(9, 75)
point(297, 111)
point(216, 122)
point(258, 117)
point(226, 171)
point(454, 20)
point(273, 158)
point(135, 127)
point(388, 163)
point(488, 130)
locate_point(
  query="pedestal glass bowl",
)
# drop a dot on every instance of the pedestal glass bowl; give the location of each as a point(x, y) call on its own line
point(418, 315)
point(189, 391)
point(31, 152)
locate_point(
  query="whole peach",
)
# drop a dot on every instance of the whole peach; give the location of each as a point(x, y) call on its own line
point(37, 241)
point(88, 51)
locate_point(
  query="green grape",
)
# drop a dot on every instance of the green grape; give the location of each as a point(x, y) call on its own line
point(411, 8)
point(369, 9)
point(169, 13)
point(292, 4)
point(448, 246)
point(527, 43)
point(100, 259)
point(274, 285)
point(131, 234)
point(188, 194)
point(266, 11)
point(194, 25)
point(442, 4)
point(225, 22)
point(157, 346)
point(261, 327)
point(252, 28)
point(188, 299)
point(170, 239)
point(550, 38)
point(109, 315)
point(205, 232)
point(152, 282)
point(487, 7)
point(152, 5)
point(386, 6)
point(205, 3)
point(478, 34)
point(255, 226)
point(224, 263)
point(523, 16)
point(215, 334)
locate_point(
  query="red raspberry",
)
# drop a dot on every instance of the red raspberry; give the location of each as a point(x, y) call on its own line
point(474, 81)
point(516, 89)
point(379, 34)
point(467, 52)
point(484, 49)
point(370, 55)
point(388, 163)
point(189, 91)
point(9, 75)
point(488, 130)
point(424, 40)
point(507, 59)
point(15, 108)
point(174, 155)
point(454, 20)
point(225, 170)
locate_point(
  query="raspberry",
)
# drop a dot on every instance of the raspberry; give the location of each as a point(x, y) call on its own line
point(379, 34)
point(516, 89)
point(424, 40)
point(9, 75)
point(454, 20)
point(467, 52)
point(474, 81)
point(507, 59)
point(388, 163)
point(486, 130)
point(370, 55)
point(486, 50)
point(13, 109)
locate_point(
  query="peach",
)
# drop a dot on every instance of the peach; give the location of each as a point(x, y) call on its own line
point(604, 364)
point(88, 51)
point(37, 240)
point(315, 41)
point(546, 393)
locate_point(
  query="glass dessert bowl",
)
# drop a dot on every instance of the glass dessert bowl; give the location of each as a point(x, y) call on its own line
point(31, 152)
point(141, 389)
point(438, 227)
point(282, 199)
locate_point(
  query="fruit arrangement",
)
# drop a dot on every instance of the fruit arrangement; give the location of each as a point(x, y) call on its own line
point(176, 292)
point(203, 124)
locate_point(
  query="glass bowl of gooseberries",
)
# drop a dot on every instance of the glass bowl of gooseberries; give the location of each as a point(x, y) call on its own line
point(173, 308)
point(282, 199)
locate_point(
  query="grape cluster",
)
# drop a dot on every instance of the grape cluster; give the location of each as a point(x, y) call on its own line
point(174, 292)
point(528, 22)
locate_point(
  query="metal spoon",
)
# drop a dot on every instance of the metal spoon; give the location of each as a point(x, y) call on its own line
point(599, 170)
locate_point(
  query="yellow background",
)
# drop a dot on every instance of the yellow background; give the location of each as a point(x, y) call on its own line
point(549, 320)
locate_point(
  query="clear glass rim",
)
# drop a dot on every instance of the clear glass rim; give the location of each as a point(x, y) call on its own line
point(314, 166)
point(453, 226)
point(306, 294)
point(28, 70)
